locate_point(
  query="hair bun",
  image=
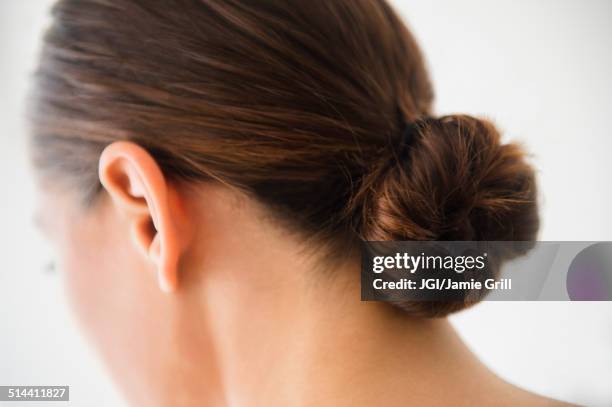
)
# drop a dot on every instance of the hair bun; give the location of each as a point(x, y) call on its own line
point(456, 182)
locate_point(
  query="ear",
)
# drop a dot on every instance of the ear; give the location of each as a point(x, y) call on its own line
point(152, 207)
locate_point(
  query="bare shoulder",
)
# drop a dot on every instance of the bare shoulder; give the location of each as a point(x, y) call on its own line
point(526, 398)
point(500, 393)
point(548, 402)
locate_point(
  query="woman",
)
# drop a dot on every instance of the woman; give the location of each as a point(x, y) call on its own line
point(209, 168)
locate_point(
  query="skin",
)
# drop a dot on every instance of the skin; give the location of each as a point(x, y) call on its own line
point(193, 296)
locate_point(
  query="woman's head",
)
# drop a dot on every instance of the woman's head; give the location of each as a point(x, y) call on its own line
point(295, 106)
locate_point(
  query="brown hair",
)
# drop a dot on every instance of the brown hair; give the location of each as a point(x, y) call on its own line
point(300, 104)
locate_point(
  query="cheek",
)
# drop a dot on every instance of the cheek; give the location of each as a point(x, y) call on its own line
point(94, 259)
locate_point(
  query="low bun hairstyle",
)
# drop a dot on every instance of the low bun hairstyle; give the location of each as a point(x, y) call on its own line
point(299, 104)
point(458, 181)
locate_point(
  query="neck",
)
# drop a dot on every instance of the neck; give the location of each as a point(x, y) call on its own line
point(293, 338)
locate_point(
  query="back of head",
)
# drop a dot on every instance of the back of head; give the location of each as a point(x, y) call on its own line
point(299, 104)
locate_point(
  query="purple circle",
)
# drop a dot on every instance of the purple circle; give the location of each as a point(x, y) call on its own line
point(589, 277)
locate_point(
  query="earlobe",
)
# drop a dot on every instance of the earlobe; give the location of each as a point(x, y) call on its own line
point(140, 192)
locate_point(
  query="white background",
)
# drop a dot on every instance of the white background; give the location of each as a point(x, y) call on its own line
point(542, 70)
